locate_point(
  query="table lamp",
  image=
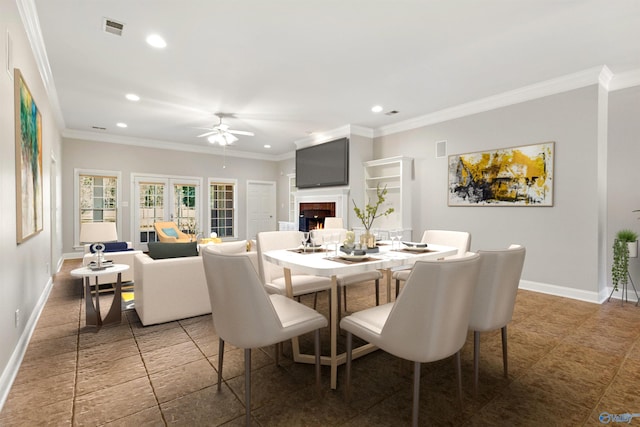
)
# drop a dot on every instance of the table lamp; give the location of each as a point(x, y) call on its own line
point(98, 233)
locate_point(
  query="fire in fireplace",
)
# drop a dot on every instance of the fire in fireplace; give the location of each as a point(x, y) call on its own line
point(312, 215)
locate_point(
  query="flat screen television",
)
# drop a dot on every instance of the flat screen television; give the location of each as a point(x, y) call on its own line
point(323, 165)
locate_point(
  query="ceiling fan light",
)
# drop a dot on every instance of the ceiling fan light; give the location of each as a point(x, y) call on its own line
point(229, 138)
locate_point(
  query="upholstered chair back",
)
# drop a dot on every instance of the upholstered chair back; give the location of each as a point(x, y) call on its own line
point(495, 294)
point(273, 240)
point(243, 314)
point(458, 239)
point(430, 319)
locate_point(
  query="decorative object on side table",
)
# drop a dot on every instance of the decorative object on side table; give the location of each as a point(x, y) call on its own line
point(369, 214)
point(625, 246)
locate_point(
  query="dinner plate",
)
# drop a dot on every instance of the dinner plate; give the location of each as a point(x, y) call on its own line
point(353, 257)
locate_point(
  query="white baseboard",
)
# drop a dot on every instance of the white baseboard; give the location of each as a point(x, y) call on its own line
point(561, 291)
point(11, 370)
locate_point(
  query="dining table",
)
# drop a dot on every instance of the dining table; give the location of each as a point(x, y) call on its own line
point(387, 256)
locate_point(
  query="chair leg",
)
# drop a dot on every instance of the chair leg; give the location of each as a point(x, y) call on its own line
point(247, 385)
point(476, 361)
point(347, 384)
point(416, 394)
point(505, 358)
point(220, 357)
point(459, 378)
point(339, 305)
point(315, 300)
point(276, 350)
point(377, 294)
point(344, 291)
point(397, 287)
point(317, 353)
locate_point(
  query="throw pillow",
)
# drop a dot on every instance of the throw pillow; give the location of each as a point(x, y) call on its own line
point(160, 250)
point(113, 247)
point(170, 232)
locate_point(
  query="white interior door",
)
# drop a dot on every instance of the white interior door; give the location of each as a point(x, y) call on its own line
point(158, 198)
point(261, 207)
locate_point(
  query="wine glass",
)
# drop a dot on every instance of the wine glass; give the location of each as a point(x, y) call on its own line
point(316, 239)
point(335, 239)
point(305, 238)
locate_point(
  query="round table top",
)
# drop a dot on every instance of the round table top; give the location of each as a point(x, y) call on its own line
point(86, 271)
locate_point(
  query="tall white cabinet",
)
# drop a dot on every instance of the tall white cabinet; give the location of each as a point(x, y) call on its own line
point(396, 174)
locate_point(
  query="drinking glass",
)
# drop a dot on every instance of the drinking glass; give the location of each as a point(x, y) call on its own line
point(335, 239)
point(305, 239)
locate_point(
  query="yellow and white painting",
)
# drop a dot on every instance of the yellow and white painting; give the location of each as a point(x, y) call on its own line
point(515, 176)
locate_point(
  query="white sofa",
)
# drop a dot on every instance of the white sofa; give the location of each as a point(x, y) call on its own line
point(175, 288)
point(120, 257)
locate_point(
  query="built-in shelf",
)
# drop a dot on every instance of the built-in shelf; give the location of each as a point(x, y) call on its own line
point(395, 174)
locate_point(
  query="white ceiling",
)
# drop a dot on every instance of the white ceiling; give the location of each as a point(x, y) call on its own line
point(287, 68)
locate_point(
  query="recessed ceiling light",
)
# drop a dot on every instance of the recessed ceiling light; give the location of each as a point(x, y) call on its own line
point(376, 108)
point(267, 146)
point(132, 97)
point(121, 125)
point(156, 41)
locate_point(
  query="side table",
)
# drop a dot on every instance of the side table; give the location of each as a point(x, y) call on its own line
point(93, 311)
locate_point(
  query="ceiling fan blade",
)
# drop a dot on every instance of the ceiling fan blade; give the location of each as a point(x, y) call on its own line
point(241, 132)
point(207, 134)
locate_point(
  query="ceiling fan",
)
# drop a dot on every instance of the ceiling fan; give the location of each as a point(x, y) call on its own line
point(221, 133)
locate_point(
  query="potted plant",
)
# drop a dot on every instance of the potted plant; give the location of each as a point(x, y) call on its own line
point(625, 245)
point(369, 214)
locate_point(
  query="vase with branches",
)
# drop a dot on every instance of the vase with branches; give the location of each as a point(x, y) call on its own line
point(370, 213)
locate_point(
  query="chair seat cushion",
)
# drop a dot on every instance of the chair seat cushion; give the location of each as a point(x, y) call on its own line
point(296, 318)
point(364, 323)
point(401, 275)
point(302, 283)
point(350, 279)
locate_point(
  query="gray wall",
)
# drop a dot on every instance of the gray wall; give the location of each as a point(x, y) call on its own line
point(561, 241)
point(26, 268)
point(132, 159)
point(623, 158)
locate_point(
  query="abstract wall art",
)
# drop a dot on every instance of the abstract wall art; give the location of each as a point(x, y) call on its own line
point(515, 176)
point(28, 130)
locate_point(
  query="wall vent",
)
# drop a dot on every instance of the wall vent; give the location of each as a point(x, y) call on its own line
point(441, 149)
point(113, 27)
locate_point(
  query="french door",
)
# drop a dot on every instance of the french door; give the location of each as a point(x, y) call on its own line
point(159, 198)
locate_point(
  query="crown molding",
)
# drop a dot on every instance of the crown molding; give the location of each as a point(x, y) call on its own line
point(625, 80)
point(341, 132)
point(31, 24)
point(166, 145)
point(591, 76)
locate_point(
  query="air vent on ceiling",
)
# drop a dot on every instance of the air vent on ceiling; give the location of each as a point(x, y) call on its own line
point(98, 128)
point(392, 112)
point(113, 27)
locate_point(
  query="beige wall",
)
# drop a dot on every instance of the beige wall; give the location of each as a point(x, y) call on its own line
point(26, 268)
point(561, 241)
point(135, 160)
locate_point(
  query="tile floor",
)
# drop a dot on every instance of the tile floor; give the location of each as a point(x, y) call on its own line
point(569, 361)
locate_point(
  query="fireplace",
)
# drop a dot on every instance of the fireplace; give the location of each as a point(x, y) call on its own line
point(312, 215)
point(313, 206)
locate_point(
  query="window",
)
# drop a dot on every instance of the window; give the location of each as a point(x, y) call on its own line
point(222, 208)
point(150, 209)
point(96, 198)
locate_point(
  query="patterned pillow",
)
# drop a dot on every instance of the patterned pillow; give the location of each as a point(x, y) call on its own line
point(170, 232)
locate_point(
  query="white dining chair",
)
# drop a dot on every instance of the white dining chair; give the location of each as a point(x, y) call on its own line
point(245, 316)
point(457, 239)
point(333, 222)
point(495, 298)
point(428, 321)
point(273, 275)
point(346, 280)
